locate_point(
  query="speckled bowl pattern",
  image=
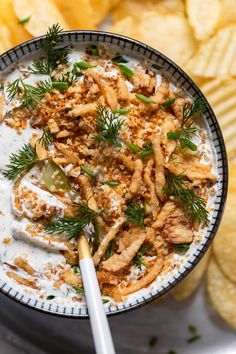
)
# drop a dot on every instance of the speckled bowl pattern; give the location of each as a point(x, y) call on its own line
point(141, 50)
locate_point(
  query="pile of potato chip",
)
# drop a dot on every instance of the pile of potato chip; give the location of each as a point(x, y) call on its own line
point(200, 36)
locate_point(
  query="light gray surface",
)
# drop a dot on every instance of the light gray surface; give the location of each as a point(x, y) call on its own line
point(168, 321)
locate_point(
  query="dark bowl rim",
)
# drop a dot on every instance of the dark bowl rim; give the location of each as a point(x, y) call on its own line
point(220, 139)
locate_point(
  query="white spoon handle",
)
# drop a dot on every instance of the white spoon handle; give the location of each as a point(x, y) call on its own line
point(98, 319)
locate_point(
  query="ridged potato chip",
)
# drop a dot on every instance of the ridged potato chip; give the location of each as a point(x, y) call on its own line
point(217, 56)
point(228, 13)
point(221, 94)
point(190, 284)
point(16, 32)
point(43, 14)
point(222, 293)
point(78, 13)
point(203, 16)
point(169, 33)
point(224, 246)
point(100, 10)
point(135, 8)
point(5, 39)
point(127, 26)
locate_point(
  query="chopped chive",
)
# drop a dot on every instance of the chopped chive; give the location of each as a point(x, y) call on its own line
point(147, 145)
point(75, 269)
point(157, 67)
point(143, 98)
point(153, 341)
point(133, 148)
point(50, 297)
point(181, 247)
point(145, 153)
point(83, 65)
point(105, 301)
point(167, 103)
point(24, 20)
point(189, 144)
point(92, 50)
point(112, 183)
point(79, 290)
point(192, 329)
point(173, 135)
point(109, 250)
point(87, 171)
point(121, 111)
point(127, 72)
point(60, 85)
point(194, 338)
point(119, 59)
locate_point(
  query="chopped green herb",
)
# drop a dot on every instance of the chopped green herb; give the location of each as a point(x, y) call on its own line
point(192, 204)
point(127, 72)
point(50, 297)
point(75, 269)
point(46, 139)
point(56, 52)
point(105, 301)
point(20, 162)
point(121, 111)
point(194, 338)
point(83, 65)
point(119, 59)
point(192, 329)
point(181, 247)
point(135, 213)
point(187, 131)
point(133, 148)
point(112, 183)
point(60, 85)
point(109, 250)
point(109, 126)
point(92, 50)
point(144, 99)
point(87, 171)
point(2, 87)
point(153, 341)
point(24, 20)
point(145, 153)
point(167, 104)
point(79, 290)
point(73, 225)
point(138, 259)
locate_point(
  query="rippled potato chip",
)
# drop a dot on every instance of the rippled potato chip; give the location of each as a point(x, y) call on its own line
point(225, 243)
point(169, 33)
point(100, 10)
point(15, 33)
point(222, 293)
point(127, 26)
point(203, 17)
point(221, 94)
point(216, 56)
point(190, 284)
point(43, 14)
point(5, 41)
point(135, 8)
point(228, 13)
point(77, 13)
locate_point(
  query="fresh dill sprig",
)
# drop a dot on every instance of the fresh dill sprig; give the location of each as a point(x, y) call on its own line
point(135, 213)
point(30, 96)
point(138, 259)
point(20, 162)
point(187, 130)
point(109, 125)
point(192, 204)
point(46, 139)
point(73, 225)
point(55, 52)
